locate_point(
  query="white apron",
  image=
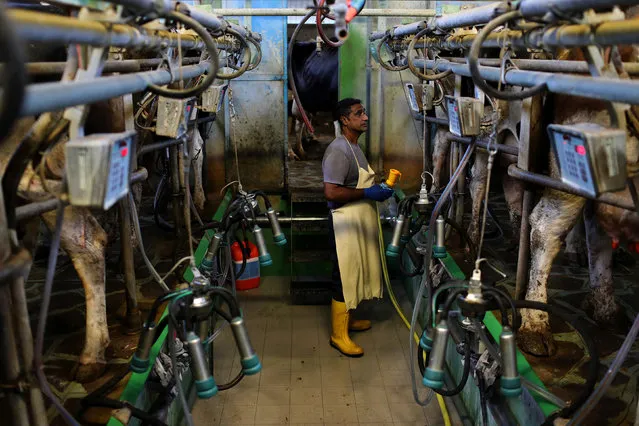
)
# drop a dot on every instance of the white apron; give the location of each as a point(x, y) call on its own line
point(357, 243)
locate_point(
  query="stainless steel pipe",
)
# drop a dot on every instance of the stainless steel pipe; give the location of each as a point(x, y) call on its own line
point(56, 29)
point(45, 97)
point(606, 89)
point(512, 150)
point(124, 66)
point(548, 65)
point(414, 13)
point(542, 180)
point(529, 8)
point(605, 34)
point(208, 20)
point(37, 208)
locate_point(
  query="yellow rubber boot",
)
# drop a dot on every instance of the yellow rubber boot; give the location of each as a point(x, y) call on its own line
point(339, 337)
point(359, 325)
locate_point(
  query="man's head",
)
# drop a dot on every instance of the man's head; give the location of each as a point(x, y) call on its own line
point(351, 115)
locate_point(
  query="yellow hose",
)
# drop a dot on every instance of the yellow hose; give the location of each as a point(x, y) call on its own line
point(440, 399)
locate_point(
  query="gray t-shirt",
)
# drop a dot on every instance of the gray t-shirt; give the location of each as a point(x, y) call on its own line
point(339, 166)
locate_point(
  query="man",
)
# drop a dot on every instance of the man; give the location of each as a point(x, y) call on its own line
point(351, 192)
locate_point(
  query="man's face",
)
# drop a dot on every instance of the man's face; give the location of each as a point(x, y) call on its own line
point(357, 120)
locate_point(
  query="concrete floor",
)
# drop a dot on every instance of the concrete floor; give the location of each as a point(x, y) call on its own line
point(304, 380)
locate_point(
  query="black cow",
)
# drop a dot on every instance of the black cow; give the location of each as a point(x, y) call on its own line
point(316, 79)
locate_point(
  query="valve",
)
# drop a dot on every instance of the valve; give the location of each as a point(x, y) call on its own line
point(140, 360)
point(392, 250)
point(200, 307)
point(278, 236)
point(434, 373)
point(439, 251)
point(248, 358)
point(204, 381)
point(265, 257)
point(510, 380)
point(422, 203)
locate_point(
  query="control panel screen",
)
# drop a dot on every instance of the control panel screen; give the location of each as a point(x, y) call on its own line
point(572, 154)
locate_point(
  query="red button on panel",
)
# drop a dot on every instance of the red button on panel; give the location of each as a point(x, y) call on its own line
point(580, 149)
point(124, 152)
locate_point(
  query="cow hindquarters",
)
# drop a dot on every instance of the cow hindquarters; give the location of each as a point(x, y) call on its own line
point(84, 240)
point(550, 221)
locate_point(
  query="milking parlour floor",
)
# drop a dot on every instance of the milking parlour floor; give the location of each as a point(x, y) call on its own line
point(565, 372)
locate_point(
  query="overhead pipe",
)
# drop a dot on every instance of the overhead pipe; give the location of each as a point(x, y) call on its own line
point(43, 97)
point(529, 9)
point(506, 149)
point(548, 65)
point(605, 89)
point(420, 13)
point(209, 20)
point(124, 66)
point(605, 34)
point(542, 180)
point(56, 29)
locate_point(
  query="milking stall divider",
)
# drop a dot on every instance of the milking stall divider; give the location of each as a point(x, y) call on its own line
point(444, 350)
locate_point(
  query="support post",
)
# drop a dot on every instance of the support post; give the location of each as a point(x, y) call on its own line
point(531, 130)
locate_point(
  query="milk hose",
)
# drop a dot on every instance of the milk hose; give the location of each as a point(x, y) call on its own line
point(391, 294)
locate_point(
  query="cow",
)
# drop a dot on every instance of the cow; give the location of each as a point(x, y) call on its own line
point(316, 74)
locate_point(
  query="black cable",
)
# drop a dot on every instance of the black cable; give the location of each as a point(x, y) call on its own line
point(502, 309)
point(593, 365)
point(450, 300)
point(237, 379)
point(44, 311)
point(214, 61)
point(473, 62)
point(13, 75)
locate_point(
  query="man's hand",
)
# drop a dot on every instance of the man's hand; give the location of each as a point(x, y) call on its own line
point(378, 193)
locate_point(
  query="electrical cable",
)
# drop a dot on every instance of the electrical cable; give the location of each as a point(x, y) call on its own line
point(291, 76)
point(481, 385)
point(398, 309)
point(473, 62)
point(614, 368)
point(44, 312)
point(213, 56)
point(13, 75)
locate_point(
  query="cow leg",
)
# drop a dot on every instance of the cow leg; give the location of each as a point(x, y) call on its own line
point(441, 146)
point(299, 136)
point(477, 193)
point(550, 221)
point(576, 247)
point(602, 299)
point(514, 193)
point(85, 240)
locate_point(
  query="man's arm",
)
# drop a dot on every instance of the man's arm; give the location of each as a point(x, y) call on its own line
point(342, 194)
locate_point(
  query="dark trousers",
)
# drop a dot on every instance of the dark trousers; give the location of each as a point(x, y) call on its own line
point(336, 279)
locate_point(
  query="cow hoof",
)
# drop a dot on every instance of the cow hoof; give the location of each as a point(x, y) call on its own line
point(536, 343)
point(601, 306)
point(85, 373)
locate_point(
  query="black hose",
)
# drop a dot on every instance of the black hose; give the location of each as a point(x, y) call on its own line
point(481, 384)
point(463, 235)
point(473, 63)
point(419, 269)
point(247, 57)
point(593, 365)
point(13, 76)
point(214, 61)
point(243, 247)
point(506, 297)
point(465, 374)
point(238, 378)
point(379, 57)
point(411, 64)
point(502, 309)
